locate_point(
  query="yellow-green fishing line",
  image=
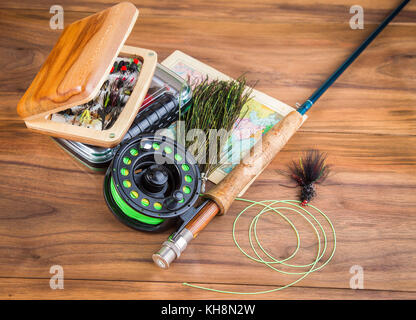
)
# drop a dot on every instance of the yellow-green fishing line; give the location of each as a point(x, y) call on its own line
point(275, 206)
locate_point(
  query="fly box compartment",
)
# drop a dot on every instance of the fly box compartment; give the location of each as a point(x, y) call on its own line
point(91, 86)
point(168, 95)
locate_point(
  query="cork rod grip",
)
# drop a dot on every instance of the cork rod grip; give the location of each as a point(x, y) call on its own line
point(224, 193)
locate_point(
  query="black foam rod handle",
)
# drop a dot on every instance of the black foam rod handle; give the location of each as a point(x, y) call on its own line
point(155, 116)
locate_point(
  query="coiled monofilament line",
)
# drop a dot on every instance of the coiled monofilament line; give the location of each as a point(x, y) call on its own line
point(293, 206)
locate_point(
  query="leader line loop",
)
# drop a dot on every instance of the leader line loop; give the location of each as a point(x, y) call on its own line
point(278, 207)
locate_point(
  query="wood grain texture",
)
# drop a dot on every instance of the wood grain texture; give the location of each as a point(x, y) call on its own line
point(90, 289)
point(75, 70)
point(110, 137)
point(79, 61)
point(52, 209)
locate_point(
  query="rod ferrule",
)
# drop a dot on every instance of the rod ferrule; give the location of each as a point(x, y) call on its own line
point(305, 107)
point(172, 249)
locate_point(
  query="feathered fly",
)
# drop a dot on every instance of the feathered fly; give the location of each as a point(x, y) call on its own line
point(310, 169)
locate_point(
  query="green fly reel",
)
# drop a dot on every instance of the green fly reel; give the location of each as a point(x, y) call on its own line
point(152, 183)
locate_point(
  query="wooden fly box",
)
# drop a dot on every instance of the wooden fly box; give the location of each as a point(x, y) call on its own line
point(78, 82)
point(168, 95)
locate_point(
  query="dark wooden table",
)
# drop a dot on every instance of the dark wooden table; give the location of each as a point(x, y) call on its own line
point(52, 210)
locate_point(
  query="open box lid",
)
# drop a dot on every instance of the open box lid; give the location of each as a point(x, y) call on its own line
point(77, 67)
point(79, 61)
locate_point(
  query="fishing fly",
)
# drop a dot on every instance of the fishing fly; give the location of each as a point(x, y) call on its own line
point(309, 170)
point(102, 112)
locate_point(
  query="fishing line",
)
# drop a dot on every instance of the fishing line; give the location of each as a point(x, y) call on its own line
point(129, 211)
point(276, 207)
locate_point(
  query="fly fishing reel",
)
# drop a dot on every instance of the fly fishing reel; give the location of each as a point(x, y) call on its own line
point(152, 183)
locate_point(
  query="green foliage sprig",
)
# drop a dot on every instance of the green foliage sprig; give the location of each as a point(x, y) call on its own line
point(217, 104)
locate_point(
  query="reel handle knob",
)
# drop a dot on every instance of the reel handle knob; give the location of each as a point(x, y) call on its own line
point(174, 199)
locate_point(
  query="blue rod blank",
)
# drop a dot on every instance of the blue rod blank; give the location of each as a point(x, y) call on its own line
point(318, 93)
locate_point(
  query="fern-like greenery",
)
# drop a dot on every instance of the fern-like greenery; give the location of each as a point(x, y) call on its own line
point(217, 104)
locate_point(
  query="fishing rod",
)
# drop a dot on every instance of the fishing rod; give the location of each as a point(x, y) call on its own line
point(318, 93)
point(220, 197)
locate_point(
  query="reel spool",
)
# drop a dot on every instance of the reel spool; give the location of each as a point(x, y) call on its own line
point(152, 183)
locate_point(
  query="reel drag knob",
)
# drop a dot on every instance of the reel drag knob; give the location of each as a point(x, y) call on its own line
point(155, 178)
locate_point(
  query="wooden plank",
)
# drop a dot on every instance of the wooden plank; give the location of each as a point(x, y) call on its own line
point(262, 11)
point(86, 289)
point(49, 218)
point(355, 99)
